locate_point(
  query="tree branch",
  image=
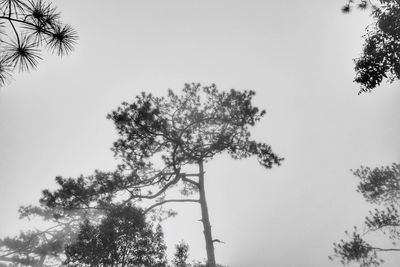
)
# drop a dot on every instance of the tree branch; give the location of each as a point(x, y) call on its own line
point(185, 179)
point(162, 190)
point(25, 22)
point(15, 31)
point(370, 229)
point(169, 201)
point(385, 249)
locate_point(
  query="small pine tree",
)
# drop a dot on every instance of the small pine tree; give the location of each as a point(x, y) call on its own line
point(181, 255)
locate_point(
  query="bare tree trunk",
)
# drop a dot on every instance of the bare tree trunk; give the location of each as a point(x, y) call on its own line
point(206, 220)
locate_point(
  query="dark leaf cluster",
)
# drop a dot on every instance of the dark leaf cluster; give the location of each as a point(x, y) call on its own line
point(355, 249)
point(123, 238)
point(379, 59)
point(181, 255)
point(362, 4)
point(80, 193)
point(379, 185)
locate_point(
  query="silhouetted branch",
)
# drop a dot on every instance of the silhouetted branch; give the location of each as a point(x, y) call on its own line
point(169, 201)
point(162, 190)
point(185, 179)
point(386, 249)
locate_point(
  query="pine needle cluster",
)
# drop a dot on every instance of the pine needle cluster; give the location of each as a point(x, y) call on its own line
point(26, 28)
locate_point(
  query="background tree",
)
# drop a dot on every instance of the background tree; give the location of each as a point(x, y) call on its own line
point(27, 26)
point(158, 138)
point(380, 57)
point(43, 247)
point(379, 186)
point(123, 238)
point(32, 248)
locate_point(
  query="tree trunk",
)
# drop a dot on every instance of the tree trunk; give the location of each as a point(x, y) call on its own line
point(206, 220)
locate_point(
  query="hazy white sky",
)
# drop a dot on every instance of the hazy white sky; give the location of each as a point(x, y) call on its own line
point(297, 56)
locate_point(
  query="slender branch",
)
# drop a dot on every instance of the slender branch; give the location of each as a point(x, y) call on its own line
point(169, 201)
point(380, 228)
point(385, 249)
point(185, 179)
point(15, 31)
point(162, 190)
point(174, 158)
point(149, 180)
point(25, 22)
point(152, 181)
point(81, 208)
point(191, 174)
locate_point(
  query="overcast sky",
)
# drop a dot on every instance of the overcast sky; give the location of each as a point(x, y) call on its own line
point(297, 56)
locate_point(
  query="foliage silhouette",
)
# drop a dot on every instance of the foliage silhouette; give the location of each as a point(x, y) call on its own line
point(26, 27)
point(181, 255)
point(379, 186)
point(123, 238)
point(380, 57)
point(43, 247)
point(80, 235)
point(158, 138)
